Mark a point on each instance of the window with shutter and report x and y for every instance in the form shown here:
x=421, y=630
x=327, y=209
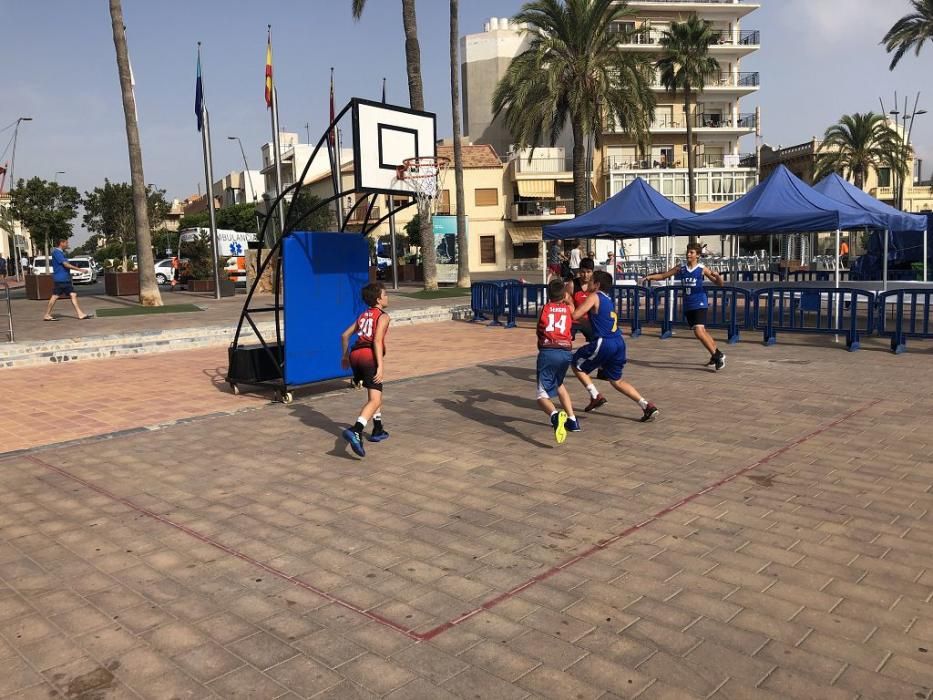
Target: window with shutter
x=486, y=197
x=487, y=249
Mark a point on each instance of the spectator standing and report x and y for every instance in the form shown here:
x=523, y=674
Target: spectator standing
x=61, y=278
x=576, y=255
x=553, y=258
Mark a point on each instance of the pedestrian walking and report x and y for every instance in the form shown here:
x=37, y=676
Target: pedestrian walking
x=61, y=278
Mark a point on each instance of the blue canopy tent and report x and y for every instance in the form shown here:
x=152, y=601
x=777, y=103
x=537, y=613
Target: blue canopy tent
x=782, y=203
x=897, y=221
x=635, y=211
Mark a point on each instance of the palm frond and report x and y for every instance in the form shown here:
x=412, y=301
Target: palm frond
x=910, y=31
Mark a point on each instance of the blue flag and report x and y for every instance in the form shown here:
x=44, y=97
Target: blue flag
x=199, y=96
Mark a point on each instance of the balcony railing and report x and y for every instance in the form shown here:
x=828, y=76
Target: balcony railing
x=743, y=79
x=544, y=165
x=542, y=208
x=715, y=120
x=703, y=160
x=721, y=37
x=693, y=2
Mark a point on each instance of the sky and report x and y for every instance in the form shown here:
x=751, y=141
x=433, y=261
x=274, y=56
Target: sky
x=819, y=59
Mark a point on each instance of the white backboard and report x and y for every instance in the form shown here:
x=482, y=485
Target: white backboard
x=383, y=136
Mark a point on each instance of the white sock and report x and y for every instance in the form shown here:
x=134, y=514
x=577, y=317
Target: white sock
x=378, y=416
x=643, y=404
x=571, y=417
x=592, y=389
x=362, y=421
x=553, y=413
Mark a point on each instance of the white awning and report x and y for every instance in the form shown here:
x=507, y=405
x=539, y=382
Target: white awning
x=536, y=188
x=521, y=235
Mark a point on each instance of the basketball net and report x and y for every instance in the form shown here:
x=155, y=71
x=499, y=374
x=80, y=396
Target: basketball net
x=425, y=178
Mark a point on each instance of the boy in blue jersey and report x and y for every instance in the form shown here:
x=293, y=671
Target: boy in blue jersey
x=691, y=276
x=607, y=351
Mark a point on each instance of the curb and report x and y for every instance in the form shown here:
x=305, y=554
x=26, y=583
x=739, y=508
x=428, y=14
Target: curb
x=40, y=352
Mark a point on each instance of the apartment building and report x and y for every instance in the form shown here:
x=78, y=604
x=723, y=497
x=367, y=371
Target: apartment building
x=718, y=118
x=801, y=160
x=538, y=186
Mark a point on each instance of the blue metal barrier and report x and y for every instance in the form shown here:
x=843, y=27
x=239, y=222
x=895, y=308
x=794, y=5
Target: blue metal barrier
x=627, y=301
x=724, y=309
x=912, y=316
x=525, y=301
x=751, y=276
x=825, y=310
x=487, y=298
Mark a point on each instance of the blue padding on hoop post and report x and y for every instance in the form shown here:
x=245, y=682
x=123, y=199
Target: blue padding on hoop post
x=323, y=275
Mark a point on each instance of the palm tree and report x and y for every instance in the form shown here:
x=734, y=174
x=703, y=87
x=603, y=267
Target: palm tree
x=416, y=100
x=148, y=287
x=574, y=70
x=910, y=31
x=858, y=143
x=686, y=66
x=463, y=243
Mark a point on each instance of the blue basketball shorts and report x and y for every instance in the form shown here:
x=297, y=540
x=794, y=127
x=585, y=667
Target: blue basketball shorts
x=607, y=354
x=552, y=367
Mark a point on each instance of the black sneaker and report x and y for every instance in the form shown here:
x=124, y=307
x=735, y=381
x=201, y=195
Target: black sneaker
x=720, y=361
x=649, y=413
x=712, y=361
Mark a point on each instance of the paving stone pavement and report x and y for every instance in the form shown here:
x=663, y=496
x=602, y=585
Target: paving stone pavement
x=768, y=537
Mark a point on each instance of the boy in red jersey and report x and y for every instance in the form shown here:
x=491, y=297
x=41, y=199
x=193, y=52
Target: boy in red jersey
x=366, y=357
x=554, y=356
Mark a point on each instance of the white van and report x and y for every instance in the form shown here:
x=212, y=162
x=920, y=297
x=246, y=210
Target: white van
x=41, y=266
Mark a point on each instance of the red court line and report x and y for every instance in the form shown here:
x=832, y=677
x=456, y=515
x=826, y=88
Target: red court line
x=492, y=602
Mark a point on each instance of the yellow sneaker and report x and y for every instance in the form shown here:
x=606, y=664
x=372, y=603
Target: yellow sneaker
x=560, y=430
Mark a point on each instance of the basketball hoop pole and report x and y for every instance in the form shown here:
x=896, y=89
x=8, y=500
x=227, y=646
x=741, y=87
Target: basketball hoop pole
x=392, y=244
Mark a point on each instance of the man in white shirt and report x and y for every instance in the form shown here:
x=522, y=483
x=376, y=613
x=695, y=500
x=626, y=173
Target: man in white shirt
x=576, y=255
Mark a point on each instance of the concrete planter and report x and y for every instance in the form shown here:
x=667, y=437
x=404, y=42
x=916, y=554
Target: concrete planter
x=121, y=284
x=227, y=288
x=39, y=287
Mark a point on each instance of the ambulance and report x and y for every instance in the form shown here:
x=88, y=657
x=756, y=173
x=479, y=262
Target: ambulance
x=229, y=242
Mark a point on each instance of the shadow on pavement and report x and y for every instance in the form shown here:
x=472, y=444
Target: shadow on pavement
x=523, y=374
x=315, y=419
x=467, y=408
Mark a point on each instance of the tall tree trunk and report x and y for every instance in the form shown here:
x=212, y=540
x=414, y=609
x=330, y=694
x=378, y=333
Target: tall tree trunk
x=416, y=99
x=148, y=287
x=691, y=156
x=579, y=167
x=463, y=243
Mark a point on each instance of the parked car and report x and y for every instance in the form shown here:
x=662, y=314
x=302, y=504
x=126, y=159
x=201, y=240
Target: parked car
x=163, y=271
x=88, y=272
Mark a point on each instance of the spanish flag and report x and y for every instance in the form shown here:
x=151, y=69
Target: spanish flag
x=269, y=70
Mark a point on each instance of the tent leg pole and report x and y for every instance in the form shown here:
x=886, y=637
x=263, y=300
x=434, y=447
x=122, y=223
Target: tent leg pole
x=838, y=302
x=884, y=267
x=925, y=253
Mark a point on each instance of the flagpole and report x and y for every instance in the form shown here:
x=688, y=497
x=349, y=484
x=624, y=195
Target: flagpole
x=335, y=161
x=209, y=176
x=273, y=104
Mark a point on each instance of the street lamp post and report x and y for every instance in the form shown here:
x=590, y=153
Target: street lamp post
x=16, y=246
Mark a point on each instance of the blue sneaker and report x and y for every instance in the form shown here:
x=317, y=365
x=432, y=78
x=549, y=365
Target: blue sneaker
x=351, y=436
x=379, y=437
x=560, y=432
x=573, y=425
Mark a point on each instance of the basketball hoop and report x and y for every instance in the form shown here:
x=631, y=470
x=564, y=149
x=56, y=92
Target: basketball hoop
x=425, y=178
